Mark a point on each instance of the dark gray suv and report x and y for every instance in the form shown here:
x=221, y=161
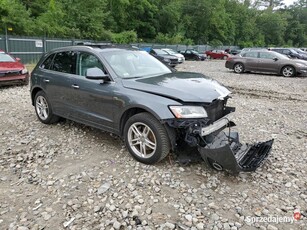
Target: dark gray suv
x=154, y=109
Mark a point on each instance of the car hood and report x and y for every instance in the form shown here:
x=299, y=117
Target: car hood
x=9, y=66
x=181, y=86
x=167, y=56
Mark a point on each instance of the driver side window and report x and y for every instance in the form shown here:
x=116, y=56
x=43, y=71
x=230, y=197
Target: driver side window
x=87, y=61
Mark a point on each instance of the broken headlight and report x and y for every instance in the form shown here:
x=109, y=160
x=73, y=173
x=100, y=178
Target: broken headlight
x=188, y=111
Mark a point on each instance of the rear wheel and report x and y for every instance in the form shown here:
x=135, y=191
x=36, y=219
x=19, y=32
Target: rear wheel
x=238, y=68
x=288, y=71
x=146, y=138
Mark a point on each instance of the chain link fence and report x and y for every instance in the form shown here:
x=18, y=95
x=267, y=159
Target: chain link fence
x=30, y=49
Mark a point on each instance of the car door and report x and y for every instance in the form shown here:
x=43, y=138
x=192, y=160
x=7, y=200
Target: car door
x=92, y=99
x=56, y=73
x=189, y=55
x=251, y=60
x=267, y=62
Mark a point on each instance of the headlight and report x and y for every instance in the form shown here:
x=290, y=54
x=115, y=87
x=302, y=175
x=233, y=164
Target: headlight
x=301, y=65
x=24, y=71
x=188, y=111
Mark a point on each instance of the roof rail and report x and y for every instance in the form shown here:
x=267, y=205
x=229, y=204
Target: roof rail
x=106, y=45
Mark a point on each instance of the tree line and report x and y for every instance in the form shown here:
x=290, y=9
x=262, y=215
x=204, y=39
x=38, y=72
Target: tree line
x=243, y=23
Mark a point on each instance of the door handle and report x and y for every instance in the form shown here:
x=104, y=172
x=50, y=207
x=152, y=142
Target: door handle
x=46, y=80
x=75, y=86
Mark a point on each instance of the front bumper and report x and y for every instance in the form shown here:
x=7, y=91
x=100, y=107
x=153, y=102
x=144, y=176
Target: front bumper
x=15, y=79
x=225, y=152
x=222, y=150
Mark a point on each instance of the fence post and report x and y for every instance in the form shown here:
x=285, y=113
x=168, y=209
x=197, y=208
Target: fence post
x=44, y=45
x=6, y=40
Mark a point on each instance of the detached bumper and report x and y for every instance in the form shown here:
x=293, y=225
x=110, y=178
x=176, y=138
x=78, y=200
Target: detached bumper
x=225, y=152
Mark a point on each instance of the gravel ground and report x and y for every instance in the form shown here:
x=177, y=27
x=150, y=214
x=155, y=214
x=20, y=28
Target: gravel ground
x=69, y=176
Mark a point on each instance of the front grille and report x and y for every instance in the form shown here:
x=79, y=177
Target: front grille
x=9, y=73
x=174, y=61
x=216, y=109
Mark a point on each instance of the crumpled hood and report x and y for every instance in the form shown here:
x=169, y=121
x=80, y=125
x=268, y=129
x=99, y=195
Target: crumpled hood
x=10, y=66
x=182, y=86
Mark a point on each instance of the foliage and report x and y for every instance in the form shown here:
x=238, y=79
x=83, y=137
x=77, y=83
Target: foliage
x=215, y=22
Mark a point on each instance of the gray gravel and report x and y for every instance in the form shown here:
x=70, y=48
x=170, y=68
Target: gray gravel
x=69, y=176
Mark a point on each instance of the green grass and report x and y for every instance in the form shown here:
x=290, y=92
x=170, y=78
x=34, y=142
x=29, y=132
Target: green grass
x=30, y=67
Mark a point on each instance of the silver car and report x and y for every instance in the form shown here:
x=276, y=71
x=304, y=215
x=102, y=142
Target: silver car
x=267, y=62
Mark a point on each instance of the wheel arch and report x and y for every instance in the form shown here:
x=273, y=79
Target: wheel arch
x=34, y=92
x=281, y=68
x=131, y=112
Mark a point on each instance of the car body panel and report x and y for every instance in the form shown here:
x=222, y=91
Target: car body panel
x=183, y=86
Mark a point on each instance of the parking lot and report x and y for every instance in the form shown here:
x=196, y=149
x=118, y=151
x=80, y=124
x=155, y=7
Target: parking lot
x=69, y=176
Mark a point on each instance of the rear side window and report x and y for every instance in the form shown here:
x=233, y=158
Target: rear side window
x=65, y=62
x=47, y=63
x=266, y=55
x=251, y=54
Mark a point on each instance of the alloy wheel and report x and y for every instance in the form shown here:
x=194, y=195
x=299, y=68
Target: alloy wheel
x=42, y=108
x=142, y=140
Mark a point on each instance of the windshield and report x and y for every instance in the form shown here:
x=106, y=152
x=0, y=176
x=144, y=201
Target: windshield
x=6, y=58
x=160, y=52
x=170, y=51
x=134, y=63
x=280, y=56
x=194, y=52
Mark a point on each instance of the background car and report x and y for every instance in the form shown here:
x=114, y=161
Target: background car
x=12, y=71
x=217, y=54
x=289, y=52
x=166, y=58
x=191, y=54
x=180, y=57
x=233, y=51
x=266, y=61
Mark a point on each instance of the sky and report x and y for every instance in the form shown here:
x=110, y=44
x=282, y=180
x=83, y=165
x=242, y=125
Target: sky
x=288, y=2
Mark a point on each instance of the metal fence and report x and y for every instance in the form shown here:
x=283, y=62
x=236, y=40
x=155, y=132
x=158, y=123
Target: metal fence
x=30, y=49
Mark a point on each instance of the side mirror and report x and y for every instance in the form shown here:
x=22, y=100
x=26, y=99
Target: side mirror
x=18, y=59
x=275, y=59
x=96, y=74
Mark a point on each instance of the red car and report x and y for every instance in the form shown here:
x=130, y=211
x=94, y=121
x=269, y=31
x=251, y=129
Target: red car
x=217, y=54
x=12, y=71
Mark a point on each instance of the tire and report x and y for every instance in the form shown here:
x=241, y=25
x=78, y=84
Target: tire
x=288, y=71
x=43, y=109
x=213, y=164
x=238, y=68
x=146, y=138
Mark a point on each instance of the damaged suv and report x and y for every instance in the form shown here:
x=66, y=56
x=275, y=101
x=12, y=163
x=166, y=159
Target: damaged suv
x=155, y=109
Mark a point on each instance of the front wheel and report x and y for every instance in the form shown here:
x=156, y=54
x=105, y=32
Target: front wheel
x=146, y=138
x=288, y=71
x=43, y=109
x=238, y=68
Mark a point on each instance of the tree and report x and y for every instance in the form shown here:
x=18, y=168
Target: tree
x=10, y=17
